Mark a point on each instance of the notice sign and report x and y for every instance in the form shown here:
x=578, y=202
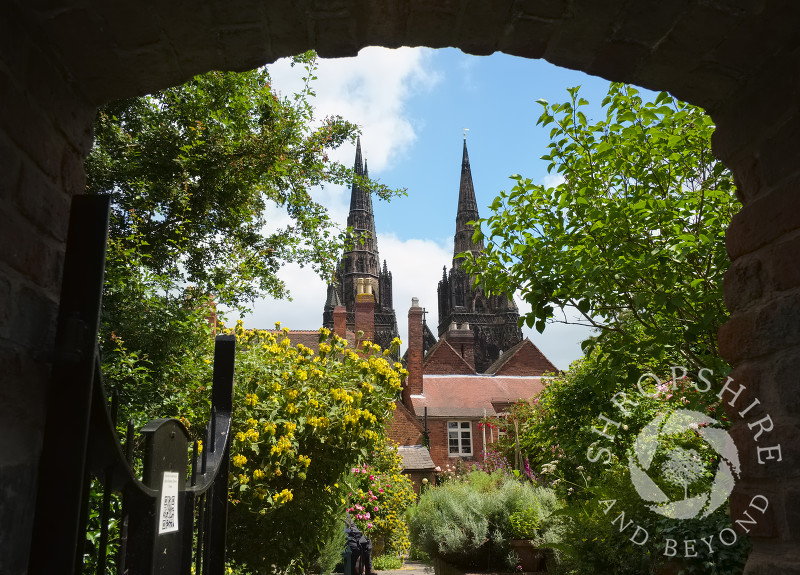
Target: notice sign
x=168, y=517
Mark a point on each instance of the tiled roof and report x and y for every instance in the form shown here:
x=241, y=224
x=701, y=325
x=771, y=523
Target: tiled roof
x=472, y=395
x=309, y=337
x=415, y=457
x=525, y=351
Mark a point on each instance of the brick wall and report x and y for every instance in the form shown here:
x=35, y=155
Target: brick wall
x=528, y=360
x=437, y=430
x=365, y=318
x=463, y=342
x=405, y=429
x=416, y=478
x=413, y=384
x=443, y=360
x=340, y=321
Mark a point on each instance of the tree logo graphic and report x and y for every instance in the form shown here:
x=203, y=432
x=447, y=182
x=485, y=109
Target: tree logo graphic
x=682, y=466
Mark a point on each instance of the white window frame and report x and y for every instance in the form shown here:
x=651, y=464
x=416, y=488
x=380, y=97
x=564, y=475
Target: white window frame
x=462, y=428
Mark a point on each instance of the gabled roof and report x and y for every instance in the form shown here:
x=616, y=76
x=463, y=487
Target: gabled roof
x=472, y=396
x=443, y=359
x=522, y=359
x=415, y=458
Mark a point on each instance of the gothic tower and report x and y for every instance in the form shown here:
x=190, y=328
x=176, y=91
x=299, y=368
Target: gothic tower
x=361, y=260
x=493, y=320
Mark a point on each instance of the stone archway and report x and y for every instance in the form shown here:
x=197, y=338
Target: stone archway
x=738, y=59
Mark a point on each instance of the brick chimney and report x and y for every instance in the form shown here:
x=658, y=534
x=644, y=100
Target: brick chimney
x=413, y=384
x=340, y=321
x=365, y=311
x=461, y=338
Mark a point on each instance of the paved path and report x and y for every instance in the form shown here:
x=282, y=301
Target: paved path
x=410, y=568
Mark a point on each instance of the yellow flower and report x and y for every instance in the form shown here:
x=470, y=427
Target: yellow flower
x=283, y=497
x=251, y=399
x=239, y=460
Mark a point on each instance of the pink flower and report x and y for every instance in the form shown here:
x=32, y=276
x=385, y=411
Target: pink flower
x=372, y=478
x=380, y=490
x=375, y=508
x=366, y=515
x=369, y=525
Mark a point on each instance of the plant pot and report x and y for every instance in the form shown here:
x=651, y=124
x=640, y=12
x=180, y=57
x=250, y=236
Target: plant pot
x=442, y=567
x=531, y=558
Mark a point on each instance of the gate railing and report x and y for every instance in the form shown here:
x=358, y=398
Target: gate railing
x=173, y=520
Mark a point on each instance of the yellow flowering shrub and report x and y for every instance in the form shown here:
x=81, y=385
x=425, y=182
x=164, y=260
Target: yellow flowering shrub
x=302, y=421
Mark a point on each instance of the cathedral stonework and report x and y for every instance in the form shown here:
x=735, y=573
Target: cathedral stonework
x=362, y=262
x=492, y=319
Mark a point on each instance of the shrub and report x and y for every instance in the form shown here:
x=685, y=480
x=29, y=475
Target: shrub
x=525, y=523
x=378, y=497
x=302, y=422
x=467, y=523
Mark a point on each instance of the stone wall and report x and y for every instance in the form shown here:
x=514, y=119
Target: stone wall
x=45, y=131
x=757, y=138
x=738, y=59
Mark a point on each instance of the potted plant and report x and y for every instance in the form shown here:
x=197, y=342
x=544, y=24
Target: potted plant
x=524, y=525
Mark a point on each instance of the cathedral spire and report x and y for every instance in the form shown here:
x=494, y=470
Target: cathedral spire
x=364, y=254
x=360, y=266
x=467, y=211
x=359, y=199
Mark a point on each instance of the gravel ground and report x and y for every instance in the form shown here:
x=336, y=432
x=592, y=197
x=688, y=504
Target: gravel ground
x=410, y=568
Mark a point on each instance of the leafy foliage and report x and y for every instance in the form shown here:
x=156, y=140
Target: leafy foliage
x=559, y=435
x=157, y=342
x=198, y=168
x=467, y=522
x=633, y=238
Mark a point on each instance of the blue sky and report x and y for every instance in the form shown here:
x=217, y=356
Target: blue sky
x=412, y=106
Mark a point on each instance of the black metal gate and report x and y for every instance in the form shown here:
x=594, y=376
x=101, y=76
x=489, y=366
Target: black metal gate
x=172, y=521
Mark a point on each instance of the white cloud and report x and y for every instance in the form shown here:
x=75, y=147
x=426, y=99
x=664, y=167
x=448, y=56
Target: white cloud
x=553, y=180
x=372, y=92
x=305, y=309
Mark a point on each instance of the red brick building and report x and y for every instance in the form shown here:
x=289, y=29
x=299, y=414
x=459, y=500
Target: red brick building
x=448, y=397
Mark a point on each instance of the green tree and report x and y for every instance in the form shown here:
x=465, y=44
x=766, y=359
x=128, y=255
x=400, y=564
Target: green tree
x=196, y=170
x=199, y=175
x=633, y=238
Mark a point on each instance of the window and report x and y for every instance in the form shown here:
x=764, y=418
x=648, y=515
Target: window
x=459, y=438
